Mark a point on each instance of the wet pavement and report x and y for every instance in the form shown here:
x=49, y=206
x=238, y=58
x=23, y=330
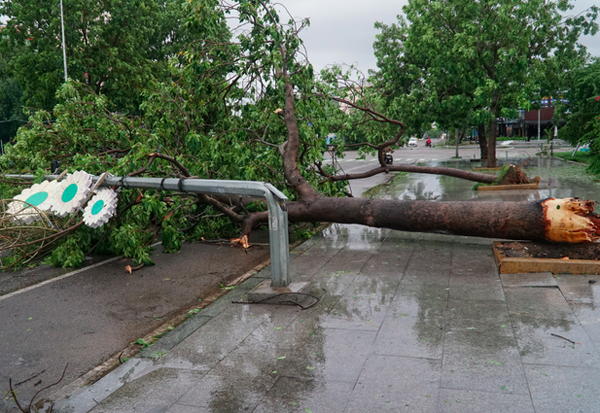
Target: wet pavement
x=406, y=322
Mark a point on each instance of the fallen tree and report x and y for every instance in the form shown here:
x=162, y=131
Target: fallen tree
x=205, y=125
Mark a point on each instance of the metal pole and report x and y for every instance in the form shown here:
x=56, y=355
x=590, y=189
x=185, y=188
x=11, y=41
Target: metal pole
x=552, y=141
x=62, y=24
x=278, y=216
x=539, y=122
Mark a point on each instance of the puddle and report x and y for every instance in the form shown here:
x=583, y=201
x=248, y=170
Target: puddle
x=559, y=179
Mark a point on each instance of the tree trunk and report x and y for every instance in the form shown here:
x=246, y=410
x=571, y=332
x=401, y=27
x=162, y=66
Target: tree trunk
x=435, y=170
x=564, y=220
x=483, y=145
x=492, y=133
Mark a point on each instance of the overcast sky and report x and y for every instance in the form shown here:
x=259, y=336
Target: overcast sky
x=341, y=31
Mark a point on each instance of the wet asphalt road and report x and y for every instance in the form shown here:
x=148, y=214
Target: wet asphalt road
x=94, y=314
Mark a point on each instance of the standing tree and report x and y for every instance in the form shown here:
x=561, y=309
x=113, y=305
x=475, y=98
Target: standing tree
x=116, y=47
x=580, y=108
x=473, y=62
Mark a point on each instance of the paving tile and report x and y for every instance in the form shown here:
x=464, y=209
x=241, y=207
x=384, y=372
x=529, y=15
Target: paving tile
x=331, y=355
x=429, y=262
x=473, y=288
x=411, y=335
x=374, y=285
x=577, y=288
x=538, y=302
x=538, y=279
x=334, y=283
x=414, y=323
x=292, y=394
x=539, y=344
x=393, y=384
x=178, y=408
x=285, y=330
x=482, y=357
x=468, y=401
x=389, y=259
x=564, y=389
x=226, y=392
x=154, y=392
x=588, y=315
x=461, y=313
x=204, y=348
x=361, y=312
x=311, y=260
x=472, y=260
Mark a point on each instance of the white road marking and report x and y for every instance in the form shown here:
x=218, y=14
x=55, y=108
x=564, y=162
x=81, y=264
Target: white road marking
x=67, y=275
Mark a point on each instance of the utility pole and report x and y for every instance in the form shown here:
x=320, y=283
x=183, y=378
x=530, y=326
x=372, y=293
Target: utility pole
x=62, y=25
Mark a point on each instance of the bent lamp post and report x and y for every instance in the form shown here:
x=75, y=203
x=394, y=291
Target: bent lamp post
x=278, y=217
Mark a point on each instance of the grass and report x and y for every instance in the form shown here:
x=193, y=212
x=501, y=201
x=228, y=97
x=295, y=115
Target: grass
x=376, y=190
x=582, y=157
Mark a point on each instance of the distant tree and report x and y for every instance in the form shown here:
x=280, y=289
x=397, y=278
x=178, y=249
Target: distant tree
x=116, y=47
x=461, y=62
x=580, y=108
x=11, y=114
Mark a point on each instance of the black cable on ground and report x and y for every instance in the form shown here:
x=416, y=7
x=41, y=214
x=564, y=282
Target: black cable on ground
x=265, y=300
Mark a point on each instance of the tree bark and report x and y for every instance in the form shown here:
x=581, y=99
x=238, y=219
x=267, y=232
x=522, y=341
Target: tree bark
x=492, y=134
x=435, y=170
x=573, y=221
x=483, y=145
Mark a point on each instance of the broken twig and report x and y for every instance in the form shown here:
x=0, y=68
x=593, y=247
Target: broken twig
x=564, y=338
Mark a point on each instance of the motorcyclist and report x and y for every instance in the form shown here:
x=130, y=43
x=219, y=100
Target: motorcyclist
x=428, y=143
x=387, y=155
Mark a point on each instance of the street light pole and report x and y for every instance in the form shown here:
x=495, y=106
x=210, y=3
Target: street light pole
x=539, y=117
x=62, y=25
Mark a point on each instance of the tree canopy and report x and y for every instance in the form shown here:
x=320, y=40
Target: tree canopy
x=462, y=62
x=579, y=107
x=116, y=47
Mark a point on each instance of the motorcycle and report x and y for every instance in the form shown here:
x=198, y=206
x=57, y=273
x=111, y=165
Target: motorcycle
x=388, y=159
x=428, y=143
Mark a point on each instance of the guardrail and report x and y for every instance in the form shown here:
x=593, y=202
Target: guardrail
x=278, y=217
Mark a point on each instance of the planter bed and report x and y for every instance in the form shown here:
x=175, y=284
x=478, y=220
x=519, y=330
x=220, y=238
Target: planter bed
x=514, y=257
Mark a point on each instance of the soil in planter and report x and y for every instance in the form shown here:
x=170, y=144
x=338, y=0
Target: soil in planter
x=543, y=250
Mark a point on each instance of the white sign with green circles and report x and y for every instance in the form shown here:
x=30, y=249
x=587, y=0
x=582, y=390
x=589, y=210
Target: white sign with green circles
x=38, y=196
x=101, y=208
x=71, y=193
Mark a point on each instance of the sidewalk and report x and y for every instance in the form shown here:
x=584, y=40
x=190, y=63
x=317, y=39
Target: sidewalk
x=406, y=323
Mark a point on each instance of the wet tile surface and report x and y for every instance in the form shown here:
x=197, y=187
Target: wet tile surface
x=405, y=323
x=153, y=393
x=292, y=394
x=393, y=384
x=564, y=389
x=468, y=401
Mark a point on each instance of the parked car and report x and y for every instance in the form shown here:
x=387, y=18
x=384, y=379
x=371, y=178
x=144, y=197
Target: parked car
x=412, y=142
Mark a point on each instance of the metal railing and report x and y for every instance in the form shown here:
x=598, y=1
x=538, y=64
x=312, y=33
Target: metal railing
x=278, y=217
